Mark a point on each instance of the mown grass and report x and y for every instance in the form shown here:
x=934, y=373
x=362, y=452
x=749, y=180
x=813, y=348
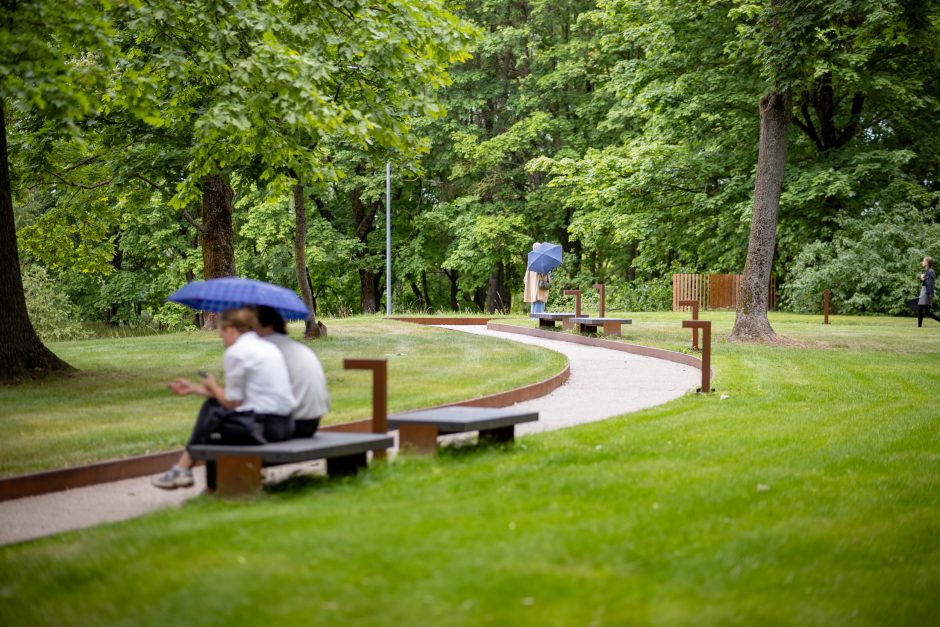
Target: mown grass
x=118, y=403
x=809, y=496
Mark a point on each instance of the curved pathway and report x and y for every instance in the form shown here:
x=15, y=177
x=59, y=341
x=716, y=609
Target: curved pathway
x=602, y=384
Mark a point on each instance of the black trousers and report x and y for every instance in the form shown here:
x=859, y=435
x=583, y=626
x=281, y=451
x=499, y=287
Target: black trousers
x=923, y=311
x=217, y=425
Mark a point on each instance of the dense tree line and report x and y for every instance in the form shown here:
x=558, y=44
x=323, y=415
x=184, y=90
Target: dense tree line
x=159, y=142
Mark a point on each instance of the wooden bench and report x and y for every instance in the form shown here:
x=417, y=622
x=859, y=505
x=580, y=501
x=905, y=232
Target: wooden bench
x=611, y=326
x=232, y=470
x=548, y=319
x=418, y=430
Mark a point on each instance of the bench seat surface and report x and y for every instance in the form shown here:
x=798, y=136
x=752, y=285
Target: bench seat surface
x=323, y=445
x=460, y=419
x=599, y=321
x=552, y=315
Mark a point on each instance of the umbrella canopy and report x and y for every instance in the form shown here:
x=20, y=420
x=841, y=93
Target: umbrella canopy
x=226, y=293
x=545, y=258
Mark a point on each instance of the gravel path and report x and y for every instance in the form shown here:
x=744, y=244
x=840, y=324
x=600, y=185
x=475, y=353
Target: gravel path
x=603, y=383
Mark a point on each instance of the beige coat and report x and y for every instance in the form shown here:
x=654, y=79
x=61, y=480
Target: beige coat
x=532, y=291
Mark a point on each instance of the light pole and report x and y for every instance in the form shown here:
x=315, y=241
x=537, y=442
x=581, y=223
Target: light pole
x=388, y=238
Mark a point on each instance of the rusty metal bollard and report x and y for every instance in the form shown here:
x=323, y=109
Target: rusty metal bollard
x=826, y=306
x=694, y=305
x=706, y=327
x=577, y=301
x=379, y=368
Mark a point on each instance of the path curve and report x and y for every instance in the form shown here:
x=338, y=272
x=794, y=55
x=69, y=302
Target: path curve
x=603, y=383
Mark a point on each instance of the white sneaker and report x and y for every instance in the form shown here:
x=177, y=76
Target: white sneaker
x=173, y=478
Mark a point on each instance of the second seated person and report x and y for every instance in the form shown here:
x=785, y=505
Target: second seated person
x=308, y=381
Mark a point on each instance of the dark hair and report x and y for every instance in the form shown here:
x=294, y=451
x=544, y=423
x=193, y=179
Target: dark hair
x=929, y=261
x=269, y=317
x=243, y=319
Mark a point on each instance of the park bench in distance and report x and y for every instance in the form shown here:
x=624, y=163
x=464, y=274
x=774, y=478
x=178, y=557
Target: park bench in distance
x=418, y=430
x=611, y=326
x=237, y=469
x=548, y=319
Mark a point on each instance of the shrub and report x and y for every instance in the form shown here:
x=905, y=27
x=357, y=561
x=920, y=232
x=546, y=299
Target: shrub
x=53, y=315
x=872, y=265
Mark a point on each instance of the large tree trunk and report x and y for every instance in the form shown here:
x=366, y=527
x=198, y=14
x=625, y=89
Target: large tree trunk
x=22, y=353
x=750, y=322
x=312, y=329
x=452, y=276
x=368, y=303
x=217, y=237
x=497, y=294
x=364, y=216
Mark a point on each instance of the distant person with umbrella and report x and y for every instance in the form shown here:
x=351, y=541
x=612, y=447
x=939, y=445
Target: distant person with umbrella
x=543, y=259
x=536, y=288
x=255, y=405
x=308, y=381
x=925, y=300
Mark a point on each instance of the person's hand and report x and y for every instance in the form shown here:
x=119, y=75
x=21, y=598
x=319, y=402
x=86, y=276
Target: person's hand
x=182, y=387
x=922, y=275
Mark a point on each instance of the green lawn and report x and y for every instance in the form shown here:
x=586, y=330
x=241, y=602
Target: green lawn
x=809, y=496
x=118, y=403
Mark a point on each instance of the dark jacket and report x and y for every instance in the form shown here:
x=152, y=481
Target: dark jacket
x=930, y=278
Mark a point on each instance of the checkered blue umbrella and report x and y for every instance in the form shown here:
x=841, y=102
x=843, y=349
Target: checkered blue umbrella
x=545, y=258
x=226, y=293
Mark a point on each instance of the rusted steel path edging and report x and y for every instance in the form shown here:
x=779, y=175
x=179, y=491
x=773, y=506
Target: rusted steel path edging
x=442, y=321
x=44, y=482
x=624, y=347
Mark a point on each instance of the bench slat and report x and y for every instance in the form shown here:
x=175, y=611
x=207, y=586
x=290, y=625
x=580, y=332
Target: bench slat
x=460, y=419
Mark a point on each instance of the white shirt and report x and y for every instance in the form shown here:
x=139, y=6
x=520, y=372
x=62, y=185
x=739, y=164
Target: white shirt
x=256, y=375
x=308, y=381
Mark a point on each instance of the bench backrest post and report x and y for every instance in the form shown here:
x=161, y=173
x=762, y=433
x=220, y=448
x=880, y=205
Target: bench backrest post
x=706, y=327
x=577, y=301
x=602, y=297
x=694, y=305
x=379, y=368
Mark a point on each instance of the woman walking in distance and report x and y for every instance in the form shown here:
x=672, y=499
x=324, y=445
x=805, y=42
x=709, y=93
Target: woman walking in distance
x=925, y=300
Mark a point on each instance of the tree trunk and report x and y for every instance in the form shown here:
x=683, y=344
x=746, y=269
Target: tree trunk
x=750, y=322
x=311, y=329
x=497, y=294
x=452, y=276
x=364, y=216
x=369, y=304
x=217, y=237
x=22, y=353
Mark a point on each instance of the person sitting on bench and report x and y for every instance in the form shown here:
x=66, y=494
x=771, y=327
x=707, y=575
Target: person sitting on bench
x=308, y=381
x=253, y=408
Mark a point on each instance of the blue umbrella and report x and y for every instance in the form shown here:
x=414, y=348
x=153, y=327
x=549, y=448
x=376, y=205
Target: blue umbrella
x=226, y=293
x=545, y=258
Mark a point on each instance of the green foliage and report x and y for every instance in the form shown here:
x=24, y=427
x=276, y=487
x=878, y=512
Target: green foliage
x=872, y=265
x=53, y=315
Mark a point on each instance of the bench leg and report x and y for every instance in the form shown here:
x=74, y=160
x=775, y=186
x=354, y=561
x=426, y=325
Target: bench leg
x=500, y=435
x=418, y=438
x=566, y=324
x=611, y=328
x=550, y=324
x=237, y=475
x=347, y=465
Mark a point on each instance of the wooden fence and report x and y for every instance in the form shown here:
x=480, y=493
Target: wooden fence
x=714, y=291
